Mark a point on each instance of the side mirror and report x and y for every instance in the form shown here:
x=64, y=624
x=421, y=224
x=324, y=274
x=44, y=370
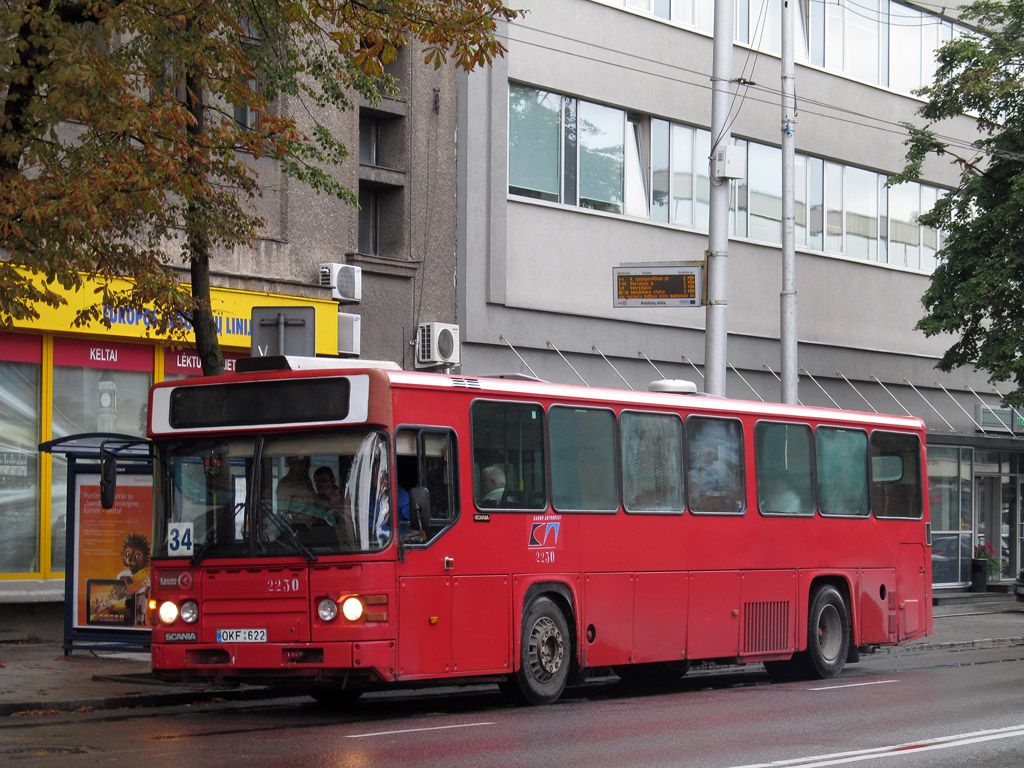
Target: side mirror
x=108, y=480
x=419, y=508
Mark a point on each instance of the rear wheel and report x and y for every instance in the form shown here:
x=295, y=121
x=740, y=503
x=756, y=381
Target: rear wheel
x=828, y=633
x=545, y=656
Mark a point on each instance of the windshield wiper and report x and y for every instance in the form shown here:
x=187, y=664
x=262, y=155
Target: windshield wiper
x=211, y=538
x=289, y=536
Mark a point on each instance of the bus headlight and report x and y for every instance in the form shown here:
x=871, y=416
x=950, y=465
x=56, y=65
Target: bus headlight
x=327, y=609
x=168, y=612
x=352, y=608
x=189, y=612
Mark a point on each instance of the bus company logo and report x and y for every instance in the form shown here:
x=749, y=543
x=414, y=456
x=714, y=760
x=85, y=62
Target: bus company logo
x=179, y=637
x=544, y=534
x=182, y=581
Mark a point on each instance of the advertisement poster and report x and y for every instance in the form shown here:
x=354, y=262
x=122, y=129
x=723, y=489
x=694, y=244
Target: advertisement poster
x=112, y=552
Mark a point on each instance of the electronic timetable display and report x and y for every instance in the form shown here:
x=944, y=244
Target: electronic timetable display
x=658, y=285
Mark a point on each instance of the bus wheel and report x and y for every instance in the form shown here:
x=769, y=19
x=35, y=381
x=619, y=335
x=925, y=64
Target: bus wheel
x=545, y=656
x=828, y=633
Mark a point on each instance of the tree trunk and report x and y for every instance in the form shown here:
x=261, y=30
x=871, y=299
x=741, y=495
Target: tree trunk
x=197, y=243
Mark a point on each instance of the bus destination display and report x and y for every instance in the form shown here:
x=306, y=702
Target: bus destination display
x=657, y=286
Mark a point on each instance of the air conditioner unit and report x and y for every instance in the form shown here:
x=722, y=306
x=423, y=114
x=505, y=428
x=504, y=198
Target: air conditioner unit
x=344, y=280
x=437, y=344
x=348, y=333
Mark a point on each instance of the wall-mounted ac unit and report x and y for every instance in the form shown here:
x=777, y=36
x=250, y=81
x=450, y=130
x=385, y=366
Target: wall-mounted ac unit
x=348, y=334
x=344, y=280
x=437, y=344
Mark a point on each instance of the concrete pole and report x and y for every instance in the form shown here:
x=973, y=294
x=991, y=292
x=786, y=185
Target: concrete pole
x=716, y=329
x=787, y=298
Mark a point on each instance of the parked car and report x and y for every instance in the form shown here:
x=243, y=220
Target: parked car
x=1018, y=587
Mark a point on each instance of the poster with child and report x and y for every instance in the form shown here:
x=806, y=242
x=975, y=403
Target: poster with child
x=112, y=553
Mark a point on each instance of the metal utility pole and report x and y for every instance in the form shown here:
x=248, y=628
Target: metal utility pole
x=787, y=297
x=716, y=330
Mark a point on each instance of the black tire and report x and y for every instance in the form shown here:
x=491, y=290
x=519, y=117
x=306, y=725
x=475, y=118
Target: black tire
x=828, y=633
x=545, y=656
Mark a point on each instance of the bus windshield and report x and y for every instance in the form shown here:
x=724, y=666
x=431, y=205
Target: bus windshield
x=307, y=495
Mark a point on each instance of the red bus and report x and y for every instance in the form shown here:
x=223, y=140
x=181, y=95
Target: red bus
x=351, y=528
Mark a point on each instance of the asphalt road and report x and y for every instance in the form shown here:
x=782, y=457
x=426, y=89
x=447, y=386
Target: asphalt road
x=934, y=708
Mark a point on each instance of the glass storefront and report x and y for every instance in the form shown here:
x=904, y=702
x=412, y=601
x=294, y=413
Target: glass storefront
x=977, y=499
x=20, y=364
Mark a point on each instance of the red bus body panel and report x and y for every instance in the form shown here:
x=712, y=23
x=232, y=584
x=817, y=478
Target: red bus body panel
x=637, y=588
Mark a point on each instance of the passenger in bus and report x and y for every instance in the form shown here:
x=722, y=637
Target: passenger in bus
x=335, y=511
x=297, y=496
x=494, y=483
x=295, y=486
x=326, y=486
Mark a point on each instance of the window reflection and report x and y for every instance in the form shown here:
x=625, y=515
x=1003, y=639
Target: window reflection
x=601, y=142
x=600, y=157
x=19, y=467
x=533, y=133
x=765, y=164
x=904, y=232
x=861, y=214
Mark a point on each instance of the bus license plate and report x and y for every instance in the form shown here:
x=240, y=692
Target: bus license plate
x=241, y=635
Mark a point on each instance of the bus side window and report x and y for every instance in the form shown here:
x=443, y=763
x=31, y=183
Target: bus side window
x=785, y=478
x=842, y=461
x=424, y=458
x=896, y=475
x=714, y=465
x=507, y=444
x=583, y=466
x=652, y=462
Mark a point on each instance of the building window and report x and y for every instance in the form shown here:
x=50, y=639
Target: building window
x=601, y=135
x=534, y=135
x=607, y=159
x=861, y=195
x=765, y=171
x=904, y=232
x=368, y=222
x=20, y=363
x=369, y=139
x=98, y=386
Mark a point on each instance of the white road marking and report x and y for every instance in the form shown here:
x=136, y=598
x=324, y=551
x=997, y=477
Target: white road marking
x=851, y=685
x=413, y=730
x=896, y=750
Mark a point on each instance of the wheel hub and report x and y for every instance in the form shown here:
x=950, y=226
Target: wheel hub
x=546, y=648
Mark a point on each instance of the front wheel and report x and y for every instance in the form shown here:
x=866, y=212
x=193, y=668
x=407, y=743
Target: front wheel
x=545, y=655
x=828, y=633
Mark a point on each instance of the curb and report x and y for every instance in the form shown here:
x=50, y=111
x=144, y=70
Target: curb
x=124, y=701
x=992, y=642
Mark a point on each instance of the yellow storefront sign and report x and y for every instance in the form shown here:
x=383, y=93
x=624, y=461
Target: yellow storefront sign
x=232, y=310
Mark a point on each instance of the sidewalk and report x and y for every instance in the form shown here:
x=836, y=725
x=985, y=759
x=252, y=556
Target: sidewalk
x=38, y=678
